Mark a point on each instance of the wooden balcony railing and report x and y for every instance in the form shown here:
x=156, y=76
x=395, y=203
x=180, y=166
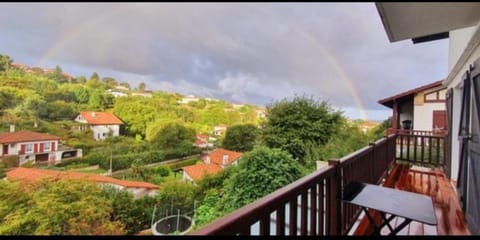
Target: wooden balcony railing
x=422, y=149
x=310, y=205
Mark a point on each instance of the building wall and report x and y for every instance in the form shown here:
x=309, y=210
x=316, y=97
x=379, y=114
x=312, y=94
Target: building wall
x=459, y=40
x=99, y=131
x=14, y=149
x=424, y=115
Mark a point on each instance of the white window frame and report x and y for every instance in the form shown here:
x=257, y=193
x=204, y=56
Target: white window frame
x=47, y=147
x=27, y=146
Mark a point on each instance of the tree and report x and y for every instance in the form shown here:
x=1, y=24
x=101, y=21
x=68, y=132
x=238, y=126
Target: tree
x=57, y=75
x=5, y=62
x=175, y=137
x=176, y=195
x=259, y=173
x=64, y=207
x=95, y=76
x=81, y=80
x=240, y=137
x=292, y=123
x=110, y=82
x=141, y=86
x=381, y=129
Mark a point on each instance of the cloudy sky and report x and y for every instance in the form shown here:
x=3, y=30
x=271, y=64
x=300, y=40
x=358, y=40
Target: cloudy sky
x=241, y=52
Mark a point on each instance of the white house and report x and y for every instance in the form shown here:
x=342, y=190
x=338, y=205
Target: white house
x=423, y=106
x=219, y=130
x=116, y=93
x=460, y=22
x=102, y=124
x=189, y=98
x=33, y=146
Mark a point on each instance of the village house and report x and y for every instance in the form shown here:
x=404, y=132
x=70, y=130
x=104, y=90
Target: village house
x=201, y=141
x=260, y=113
x=102, y=124
x=421, y=108
x=219, y=130
x=116, y=93
x=33, y=146
x=212, y=164
x=189, y=98
x=146, y=94
x=29, y=175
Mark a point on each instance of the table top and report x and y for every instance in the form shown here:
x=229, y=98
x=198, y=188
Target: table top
x=405, y=204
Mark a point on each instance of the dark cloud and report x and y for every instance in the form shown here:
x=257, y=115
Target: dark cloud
x=243, y=52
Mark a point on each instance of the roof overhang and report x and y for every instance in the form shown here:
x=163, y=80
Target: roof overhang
x=426, y=21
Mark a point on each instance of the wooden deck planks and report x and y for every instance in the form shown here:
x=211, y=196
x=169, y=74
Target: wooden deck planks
x=435, y=184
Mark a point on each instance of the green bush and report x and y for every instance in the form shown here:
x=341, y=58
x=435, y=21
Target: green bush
x=177, y=165
x=11, y=161
x=72, y=161
x=163, y=171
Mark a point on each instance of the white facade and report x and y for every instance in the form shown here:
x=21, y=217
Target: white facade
x=31, y=150
x=424, y=115
x=464, y=49
x=100, y=132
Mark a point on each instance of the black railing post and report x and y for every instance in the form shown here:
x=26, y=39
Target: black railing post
x=335, y=206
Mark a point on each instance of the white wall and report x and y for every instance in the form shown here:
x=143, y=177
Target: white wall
x=100, y=129
x=424, y=115
x=458, y=42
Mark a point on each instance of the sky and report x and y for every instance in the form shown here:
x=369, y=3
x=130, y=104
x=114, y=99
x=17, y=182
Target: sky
x=254, y=53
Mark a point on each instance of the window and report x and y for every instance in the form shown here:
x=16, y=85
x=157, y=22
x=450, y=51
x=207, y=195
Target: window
x=46, y=147
x=29, y=148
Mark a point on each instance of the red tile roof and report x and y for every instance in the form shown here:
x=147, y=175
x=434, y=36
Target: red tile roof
x=197, y=171
x=388, y=102
x=101, y=118
x=216, y=156
x=33, y=174
x=25, y=136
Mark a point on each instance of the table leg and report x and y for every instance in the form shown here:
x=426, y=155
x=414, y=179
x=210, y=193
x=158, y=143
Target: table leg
x=401, y=226
x=386, y=221
x=376, y=230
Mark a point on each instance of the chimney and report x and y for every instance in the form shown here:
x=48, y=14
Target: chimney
x=93, y=114
x=225, y=159
x=207, y=159
x=12, y=128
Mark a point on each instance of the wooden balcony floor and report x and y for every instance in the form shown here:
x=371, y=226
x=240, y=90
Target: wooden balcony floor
x=431, y=182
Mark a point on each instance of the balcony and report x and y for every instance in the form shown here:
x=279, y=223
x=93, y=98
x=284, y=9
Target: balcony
x=410, y=161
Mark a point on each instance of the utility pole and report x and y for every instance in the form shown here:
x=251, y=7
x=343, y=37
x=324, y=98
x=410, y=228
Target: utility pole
x=111, y=153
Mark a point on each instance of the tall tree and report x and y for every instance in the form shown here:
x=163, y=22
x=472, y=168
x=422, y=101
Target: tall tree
x=141, y=86
x=240, y=137
x=95, y=76
x=292, y=123
x=259, y=173
x=57, y=75
x=175, y=137
x=5, y=62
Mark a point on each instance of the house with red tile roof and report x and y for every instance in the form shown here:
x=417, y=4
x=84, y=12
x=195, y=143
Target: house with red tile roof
x=201, y=141
x=102, y=124
x=214, y=162
x=34, y=146
x=30, y=175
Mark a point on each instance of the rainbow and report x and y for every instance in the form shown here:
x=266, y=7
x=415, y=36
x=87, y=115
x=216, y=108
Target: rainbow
x=75, y=32
x=339, y=69
x=72, y=34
